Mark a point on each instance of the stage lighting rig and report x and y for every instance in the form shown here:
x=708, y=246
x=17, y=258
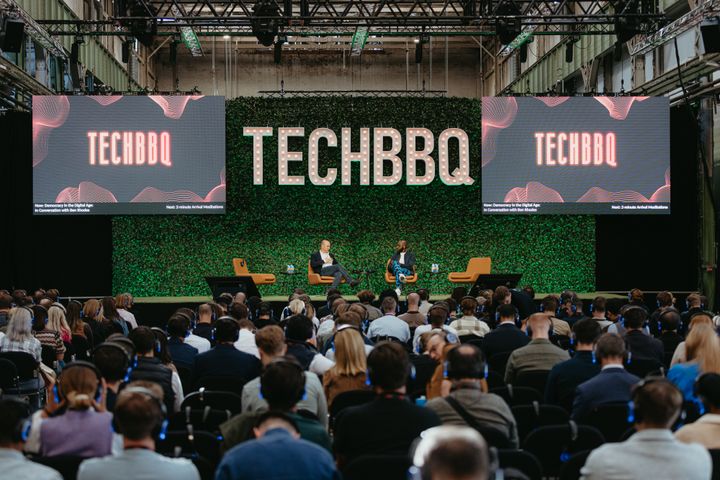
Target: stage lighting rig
x=265, y=21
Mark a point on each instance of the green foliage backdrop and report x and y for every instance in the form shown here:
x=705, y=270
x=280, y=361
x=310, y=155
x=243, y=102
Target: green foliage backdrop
x=272, y=226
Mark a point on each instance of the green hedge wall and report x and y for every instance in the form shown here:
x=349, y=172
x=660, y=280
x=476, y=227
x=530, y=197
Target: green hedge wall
x=272, y=225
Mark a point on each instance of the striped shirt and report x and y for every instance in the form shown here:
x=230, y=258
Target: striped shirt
x=470, y=326
x=31, y=346
x=52, y=339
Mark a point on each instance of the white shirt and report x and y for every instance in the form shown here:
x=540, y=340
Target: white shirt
x=202, y=344
x=330, y=354
x=16, y=467
x=402, y=258
x=320, y=364
x=424, y=307
x=325, y=257
x=177, y=390
x=391, y=326
x=426, y=328
x=246, y=342
x=128, y=317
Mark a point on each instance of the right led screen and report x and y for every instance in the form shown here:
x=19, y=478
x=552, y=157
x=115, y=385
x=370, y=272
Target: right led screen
x=583, y=155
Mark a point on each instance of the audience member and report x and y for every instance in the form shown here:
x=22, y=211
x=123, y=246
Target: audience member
x=451, y=453
x=109, y=311
x=613, y=307
x=278, y=453
x=48, y=338
x=598, y=311
x=652, y=452
x=640, y=344
x=524, y=303
x=203, y=327
x=389, y=424
x=5, y=306
x=246, y=338
x=140, y=419
x=366, y=298
x=182, y=354
x=282, y=385
x=465, y=368
x=224, y=359
x=570, y=307
x=350, y=369
x=549, y=306
x=437, y=316
x=425, y=304
x=612, y=384
x=413, y=317
x=706, y=429
x=149, y=367
x=469, y=324
x=271, y=345
x=389, y=326
x=57, y=323
x=100, y=326
x=636, y=298
x=539, y=354
x=114, y=361
x=507, y=336
x=77, y=326
x=239, y=298
x=437, y=348
x=300, y=338
x=202, y=344
x=19, y=335
x=698, y=318
x=264, y=315
x=667, y=323
x=13, y=434
x=351, y=318
x=566, y=376
x=124, y=303
x=695, y=304
x=239, y=311
x=703, y=356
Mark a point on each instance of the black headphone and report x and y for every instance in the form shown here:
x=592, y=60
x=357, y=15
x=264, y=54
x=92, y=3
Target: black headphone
x=161, y=424
x=441, y=307
x=665, y=311
x=130, y=362
x=285, y=361
x=633, y=415
x=21, y=430
x=57, y=388
x=480, y=373
x=517, y=314
x=158, y=344
x=340, y=328
x=264, y=309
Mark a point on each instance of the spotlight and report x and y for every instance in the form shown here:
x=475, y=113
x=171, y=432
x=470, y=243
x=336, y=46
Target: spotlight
x=417, y=40
x=569, y=47
x=264, y=21
x=508, y=28
x=226, y=37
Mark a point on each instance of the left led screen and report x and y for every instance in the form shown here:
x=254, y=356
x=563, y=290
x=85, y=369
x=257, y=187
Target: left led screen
x=127, y=155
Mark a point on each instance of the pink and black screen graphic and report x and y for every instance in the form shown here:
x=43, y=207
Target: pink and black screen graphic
x=584, y=155
x=125, y=155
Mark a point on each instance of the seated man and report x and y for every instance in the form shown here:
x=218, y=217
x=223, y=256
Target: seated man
x=465, y=368
x=652, y=452
x=138, y=417
x=271, y=345
x=182, y=354
x=301, y=344
x=669, y=323
x=539, y=354
x=366, y=297
x=565, y=377
x=413, y=317
x=278, y=452
x=149, y=367
x=204, y=327
x=389, y=325
x=324, y=263
x=452, y=453
x=706, y=429
x=549, y=306
x=402, y=264
x=599, y=311
x=437, y=316
x=224, y=359
x=507, y=336
x=468, y=324
x=612, y=384
x=12, y=440
x=637, y=340
x=282, y=385
x=389, y=424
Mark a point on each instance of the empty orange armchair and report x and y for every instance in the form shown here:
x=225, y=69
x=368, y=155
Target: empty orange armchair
x=317, y=279
x=390, y=278
x=476, y=266
x=241, y=270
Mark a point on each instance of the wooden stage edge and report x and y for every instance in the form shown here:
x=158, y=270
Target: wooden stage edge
x=320, y=298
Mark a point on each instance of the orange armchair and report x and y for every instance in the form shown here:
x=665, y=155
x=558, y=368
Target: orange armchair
x=317, y=279
x=390, y=278
x=476, y=266
x=241, y=270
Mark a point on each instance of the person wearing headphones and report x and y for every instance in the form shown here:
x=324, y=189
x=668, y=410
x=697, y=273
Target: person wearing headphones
x=19, y=335
x=389, y=325
x=437, y=316
x=652, y=452
x=706, y=429
x=14, y=425
x=413, y=317
x=182, y=354
x=350, y=368
x=507, y=336
x=151, y=368
x=468, y=324
x=467, y=403
x=638, y=341
x=539, y=354
x=140, y=417
x=124, y=303
x=115, y=361
x=450, y=453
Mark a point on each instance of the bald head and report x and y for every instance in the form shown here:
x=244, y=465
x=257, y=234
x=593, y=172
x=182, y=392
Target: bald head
x=413, y=301
x=540, y=324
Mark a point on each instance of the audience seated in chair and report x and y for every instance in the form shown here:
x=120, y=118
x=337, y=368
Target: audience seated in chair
x=549, y=306
x=302, y=344
x=203, y=327
x=539, y=354
x=182, y=354
x=350, y=369
x=12, y=441
x=612, y=384
x=114, y=360
x=702, y=348
x=19, y=336
x=246, y=337
x=652, y=452
x=468, y=324
x=151, y=368
x=507, y=336
x=413, y=317
x=706, y=429
x=389, y=424
x=565, y=377
x=278, y=452
x=637, y=340
x=451, y=453
x=437, y=316
x=200, y=343
x=389, y=325
x=465, y=369
x=668, y=323
x=139, y=418
x=48, y=338
x=598, y=310
x=271, y=344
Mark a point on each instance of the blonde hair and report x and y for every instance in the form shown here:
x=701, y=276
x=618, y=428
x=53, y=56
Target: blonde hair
x=703, y=346
x=123, y=300
x=296, y=306
x=19, y=328
x=350, y=358
x=93, y=310
x=700, y=319
x=78, y=386
x=57, y=321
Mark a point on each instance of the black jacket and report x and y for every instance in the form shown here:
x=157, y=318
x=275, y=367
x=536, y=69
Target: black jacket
x=226, y=360
x=644, y=346
x=505, y=338
x=152, y=369
x=566, y=376
x=316, y=261
x=409, y=262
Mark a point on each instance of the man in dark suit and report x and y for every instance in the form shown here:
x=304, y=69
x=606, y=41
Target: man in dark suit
x=565, y=377
x=224, y=359
x=507, y=336
x=402, y=264
x=640, y=344
x=324, y=263
x=182, y=354
x=612, y=385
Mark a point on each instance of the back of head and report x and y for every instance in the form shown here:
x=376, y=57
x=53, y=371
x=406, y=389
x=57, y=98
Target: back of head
x=610, y=345
x=264, y=309
x=358, y=309
x=657, y=402
x=297, y=307
x=270, y=340
x=598, y=304
x=282, y=383
x=613, y=305
x=205, y=310
x=529, y=291
x=458, y=293
x=389, y=304
x=468, y=305
x=40, y=317
x=501, y=295
x=178, y=326
x=635, y=318
x=144, y=340
x=540, y=324
x=664, y=299
x=78, y=385
x=636, y=296
x=413, y=299
x=388, y=293
x=586, y=331
x=349, y=318
x=703, y=346
x=424, y=294
x=366, y=296
x=109, y=308
x=5, y=301
x=91, y=309
x=451, y=452
x=14, y=413
x=226, y=330
x=350, y=358
x=19, y=327
x=549, y=304
x=507, y=312
x=437, y=315
x=332, y=292
x=465, y=362
x=694, y=300
x=112, y=361
x=299, y=329
x=388, y=366
x=669, y=319
x=137, y=413
x=238, y=311
x=707, y=389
